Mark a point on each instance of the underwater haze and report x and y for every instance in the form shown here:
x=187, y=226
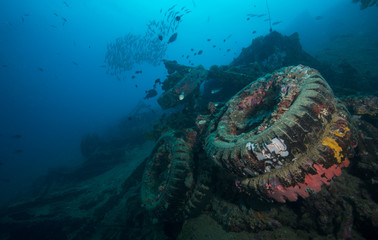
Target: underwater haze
x=56, y=84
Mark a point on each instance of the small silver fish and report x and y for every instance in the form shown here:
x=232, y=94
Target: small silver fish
x=182, y=96
x=216, y=91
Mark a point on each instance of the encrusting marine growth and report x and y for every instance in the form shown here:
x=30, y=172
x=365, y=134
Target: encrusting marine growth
x=283, y=135
x=171, y=188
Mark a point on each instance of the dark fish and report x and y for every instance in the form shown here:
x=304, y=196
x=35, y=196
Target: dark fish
x=228, y=50
x=65, y=3
x=5, y=180
x=22, y=19
x=17, y=151
x=102, y=66
x=75, y=63
x=40, y=69
x=192, y=49
x=200, y=52
x=4, y=65
x=319, y=18
x=130, y=118
x=214, y=46
x=160, y=37
x=26, y=14
x=56, y=15
x=208, y=39
x=248, y=19
x=150, y=94
x=157, y=81
x=17, y=136
x=169, y=9
x=195, y=54
x=224, y=40
x=138, y=72
x=178, y=18
x=187, y=57
x=64, y=21
x=132, y=76
x=136, y=85
x=278, y=22
x=172, y=38
x=254, y=32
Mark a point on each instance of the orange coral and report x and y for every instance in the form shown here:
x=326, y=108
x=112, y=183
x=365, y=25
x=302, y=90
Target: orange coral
x=334, y=146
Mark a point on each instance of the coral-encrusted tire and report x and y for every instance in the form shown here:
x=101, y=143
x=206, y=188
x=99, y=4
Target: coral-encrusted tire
x=172, y=188
x=283, y=135
x=167, y=177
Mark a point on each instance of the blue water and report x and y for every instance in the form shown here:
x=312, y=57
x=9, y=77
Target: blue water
x=54, y=89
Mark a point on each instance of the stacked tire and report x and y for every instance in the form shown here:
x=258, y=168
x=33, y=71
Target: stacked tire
x=172, y=186
x=283, y=135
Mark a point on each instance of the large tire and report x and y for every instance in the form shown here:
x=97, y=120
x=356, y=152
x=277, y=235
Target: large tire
x=173, y=188
x=199, y=195
x=283, y=135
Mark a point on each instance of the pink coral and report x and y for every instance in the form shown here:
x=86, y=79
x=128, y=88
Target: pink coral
x=311, y=183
